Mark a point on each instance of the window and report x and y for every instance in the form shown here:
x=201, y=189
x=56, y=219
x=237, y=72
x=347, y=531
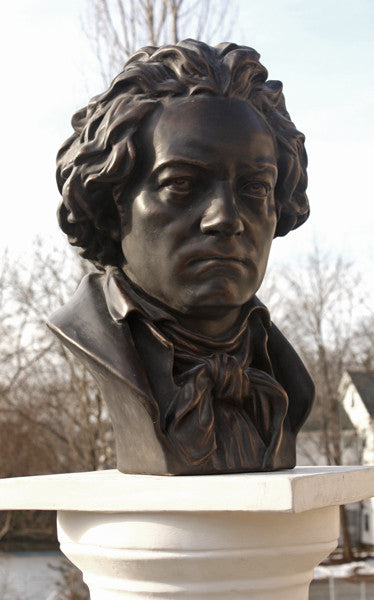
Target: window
x=366, y=522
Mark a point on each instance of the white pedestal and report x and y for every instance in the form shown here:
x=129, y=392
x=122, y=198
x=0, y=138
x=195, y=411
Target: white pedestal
x=252, y=536
x=219, y=555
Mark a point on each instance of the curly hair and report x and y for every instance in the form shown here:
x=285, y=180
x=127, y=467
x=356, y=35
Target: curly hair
x=97, y=164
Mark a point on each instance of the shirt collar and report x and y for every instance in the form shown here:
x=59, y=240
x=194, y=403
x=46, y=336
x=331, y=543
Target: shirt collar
x=123, y=298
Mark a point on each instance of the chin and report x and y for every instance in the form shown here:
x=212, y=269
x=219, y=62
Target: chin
x=216, y=300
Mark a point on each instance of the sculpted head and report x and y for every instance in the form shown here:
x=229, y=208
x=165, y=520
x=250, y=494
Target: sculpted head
x=181, y=174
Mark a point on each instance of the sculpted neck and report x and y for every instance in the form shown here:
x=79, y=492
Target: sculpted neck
x=210, y=325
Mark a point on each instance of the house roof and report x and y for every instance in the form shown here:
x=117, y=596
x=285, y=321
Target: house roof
x=364, y=384
x=313, y=422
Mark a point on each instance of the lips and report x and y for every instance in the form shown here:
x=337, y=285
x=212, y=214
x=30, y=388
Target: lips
x=219, y=259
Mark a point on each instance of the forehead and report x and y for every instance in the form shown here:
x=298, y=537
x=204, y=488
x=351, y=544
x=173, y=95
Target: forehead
x=217, y=130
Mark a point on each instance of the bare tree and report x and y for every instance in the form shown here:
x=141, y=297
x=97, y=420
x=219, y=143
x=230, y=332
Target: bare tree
x=363, y=343
x=321, y=305
x=52, y=416
x=117, y=28
x=42, y=384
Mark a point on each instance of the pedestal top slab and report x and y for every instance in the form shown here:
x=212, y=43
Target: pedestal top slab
x=303, y=488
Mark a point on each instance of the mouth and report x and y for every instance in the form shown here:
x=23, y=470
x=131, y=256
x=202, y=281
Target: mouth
x=220, y=260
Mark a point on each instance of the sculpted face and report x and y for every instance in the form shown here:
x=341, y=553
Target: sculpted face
x=198, y=229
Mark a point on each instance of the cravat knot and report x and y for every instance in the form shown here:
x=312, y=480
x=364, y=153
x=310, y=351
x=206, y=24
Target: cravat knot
x=229, y=382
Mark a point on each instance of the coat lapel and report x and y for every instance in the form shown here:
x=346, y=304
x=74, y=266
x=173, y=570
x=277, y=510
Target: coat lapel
x=86, y=325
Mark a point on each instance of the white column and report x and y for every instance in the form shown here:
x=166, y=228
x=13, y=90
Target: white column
x=255, y=536
x=196, y=555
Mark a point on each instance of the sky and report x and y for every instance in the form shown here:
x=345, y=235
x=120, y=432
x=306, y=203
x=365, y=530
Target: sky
x=322, y=50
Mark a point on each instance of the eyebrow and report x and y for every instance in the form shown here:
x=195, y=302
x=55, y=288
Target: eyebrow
x=260, y=166
x=264, y=167
x=182, y=162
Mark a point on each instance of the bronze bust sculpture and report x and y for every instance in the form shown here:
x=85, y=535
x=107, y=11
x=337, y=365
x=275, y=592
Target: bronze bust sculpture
x=174, y=184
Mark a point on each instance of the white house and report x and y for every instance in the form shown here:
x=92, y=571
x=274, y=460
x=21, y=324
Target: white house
x=356, y=417
x=357, y=393
x=310, y=440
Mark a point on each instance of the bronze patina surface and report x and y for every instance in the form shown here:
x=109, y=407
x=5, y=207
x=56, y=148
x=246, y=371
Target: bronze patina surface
x=174, y=184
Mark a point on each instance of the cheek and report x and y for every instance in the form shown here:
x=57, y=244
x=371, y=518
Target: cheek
x=150, y=215
x=159, y=224
x=271, y=227
x=261, y=223
x=270, y=220
x=267, y=240
x=139, y=224
x=147, y=234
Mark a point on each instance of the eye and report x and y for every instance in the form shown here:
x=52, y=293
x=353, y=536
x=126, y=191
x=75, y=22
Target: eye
x=179, y=184
x=255, y=189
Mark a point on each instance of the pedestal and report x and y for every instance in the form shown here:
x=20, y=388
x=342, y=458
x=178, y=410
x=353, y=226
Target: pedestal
x=219, y=555
x=252, y=536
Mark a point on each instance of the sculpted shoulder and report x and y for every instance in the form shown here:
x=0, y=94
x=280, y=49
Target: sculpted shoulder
x=79, y=318
x=86, y=327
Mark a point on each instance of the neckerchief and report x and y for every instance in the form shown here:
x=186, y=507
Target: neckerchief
x=227, y=409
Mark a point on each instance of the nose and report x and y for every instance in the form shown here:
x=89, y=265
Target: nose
x=222, y=216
